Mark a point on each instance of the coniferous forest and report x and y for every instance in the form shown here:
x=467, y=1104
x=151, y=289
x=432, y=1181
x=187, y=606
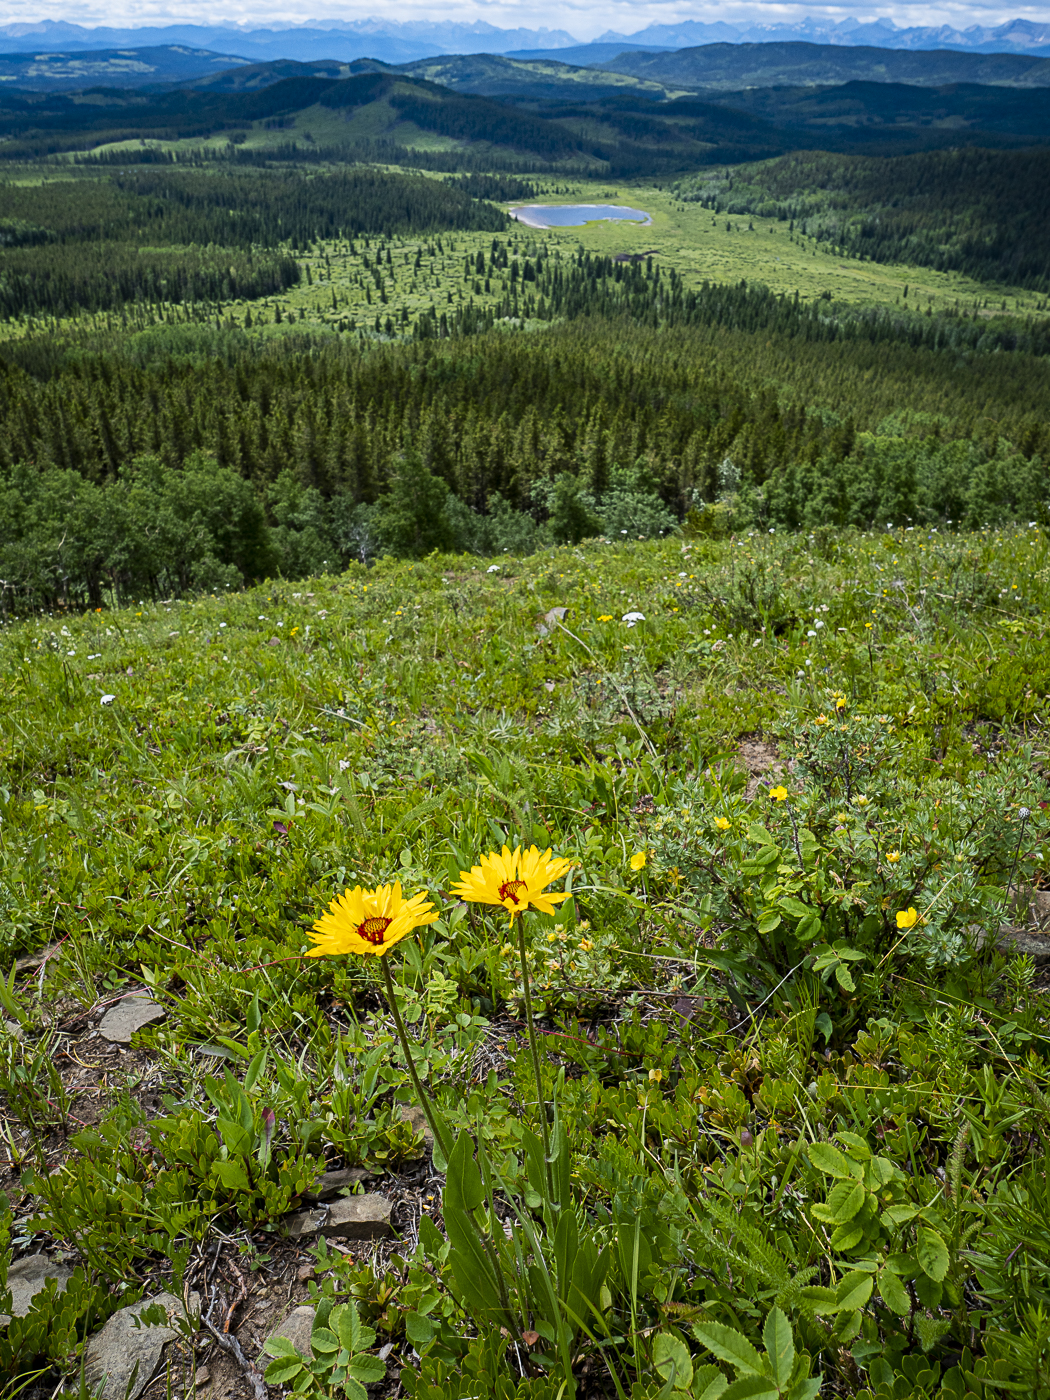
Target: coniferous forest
x=643, y=620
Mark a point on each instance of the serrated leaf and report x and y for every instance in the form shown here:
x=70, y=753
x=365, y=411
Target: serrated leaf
x=729, y=1345
x=280, y=1346
x=932, y=1254
x=853, y=1291
x=895, y=1216
x=805, y=1390
x=795, y=907
x=780, y=1346
x=672, y=1361
x=893, y=1293
x=828, y=1159
x=709, y=1383
x=367, y=1369
x=280, y=1372
x=847, y=1236
x=769, y=921
x=323, y=1339
x=843, y=978
x=820, y=1300
x=752, y=1388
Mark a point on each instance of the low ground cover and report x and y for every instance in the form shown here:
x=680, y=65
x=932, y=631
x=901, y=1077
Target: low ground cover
x=796, y=1089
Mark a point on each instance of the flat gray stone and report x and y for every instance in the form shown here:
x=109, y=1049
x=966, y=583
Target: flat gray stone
x=27, y=1277
x=121, y=1022
x=304, y=1222
x=296, y=1327
x=114, y=1353
x=330, y=1185
x=358, y=1218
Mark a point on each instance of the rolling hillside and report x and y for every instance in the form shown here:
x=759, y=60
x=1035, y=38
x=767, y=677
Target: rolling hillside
x=730, y=66
x=75, y=70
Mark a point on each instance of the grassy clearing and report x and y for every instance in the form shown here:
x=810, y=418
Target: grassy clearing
x=802, y=737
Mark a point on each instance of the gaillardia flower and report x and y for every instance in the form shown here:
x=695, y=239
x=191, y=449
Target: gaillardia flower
x=369, y=921
x=516, y=879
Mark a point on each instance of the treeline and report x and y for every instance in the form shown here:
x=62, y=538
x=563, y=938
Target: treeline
x=982, y=213
x=162, y=207
x=73, y=277
x=549, y=288
x=72, y=246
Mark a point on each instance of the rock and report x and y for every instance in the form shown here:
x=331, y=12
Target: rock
x=305, y=1273
x=417, y=1119
x=202, y=1377
x=121, y=1022
x=297, y=1327
x=1032, y=944
x=27, y=1277
x=13, y=1029
x=330, y=1185
x=304, y=1222
x=358, y=1218
x=122, y=1358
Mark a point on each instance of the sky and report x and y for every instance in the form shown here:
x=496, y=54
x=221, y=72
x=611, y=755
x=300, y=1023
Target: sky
x=583, y=18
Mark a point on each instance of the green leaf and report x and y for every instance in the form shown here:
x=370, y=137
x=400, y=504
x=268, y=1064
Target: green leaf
x=805, y=1389
x=820, y=1300
x=795, y=907
x=757, y=832
x=769, y=921
x=672, y=1361
x=708, y=1383
x=367, y=1369
x=847, y=1237
x=809, y=929
x=844, y=1200
x=932, y=1254
x=282, y=1371
x=853, y=1291
x=844, y=980
x=729, y=1345
x=893, y=1293
x=324, y=1339
x=463, y=1186
x=828, y=1159
x=419, y=1330
x=780, y=1346
x=752, y=1388
x=280, y=1346
x=898, y=1215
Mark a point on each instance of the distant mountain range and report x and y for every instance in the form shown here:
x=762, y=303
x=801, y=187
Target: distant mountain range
x=392, y=41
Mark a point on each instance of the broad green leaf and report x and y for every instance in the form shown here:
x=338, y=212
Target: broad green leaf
x=346, y=1323
x=758, y=833
x=729, y=1345
x=844, y=1200
x=853, y=1291
x=367, y=1369
x=809, y=929
x=324, y=1339
x=829, y=1160
x=280, y=1346
x=795, y=907
x=752, y=1388
x=708, y=1383
x=780, y=1346
x=463, y=1187
x=805, y=1389
x=843, y=978
x=769, y=921
x=672, y=1361
x=847, y=1237
x=932, y=1254
x=283, y=1370
x=419, y=1330
x=893, y=1293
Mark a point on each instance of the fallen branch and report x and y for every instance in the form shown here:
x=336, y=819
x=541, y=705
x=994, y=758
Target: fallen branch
x=232, y=1347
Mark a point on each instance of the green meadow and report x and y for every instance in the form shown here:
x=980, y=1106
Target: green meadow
x=792, y=1042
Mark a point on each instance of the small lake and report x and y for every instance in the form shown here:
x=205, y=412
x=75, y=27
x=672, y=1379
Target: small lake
x=572, y=215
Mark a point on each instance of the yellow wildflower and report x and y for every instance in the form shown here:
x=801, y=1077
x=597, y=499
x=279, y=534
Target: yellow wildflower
x=907, y=918
x=515, y=879
x=778, y=794
x=368, y=921
x=638, y=860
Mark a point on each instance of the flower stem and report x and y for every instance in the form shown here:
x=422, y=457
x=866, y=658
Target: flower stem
x=541, y=1101
x=424, y=1102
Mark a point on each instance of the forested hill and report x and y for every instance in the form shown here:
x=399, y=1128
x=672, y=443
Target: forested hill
x=982, y=213
x=733, y=66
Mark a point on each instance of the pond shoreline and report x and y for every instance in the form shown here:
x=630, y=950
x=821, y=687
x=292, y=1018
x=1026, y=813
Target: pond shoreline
x=614, y=213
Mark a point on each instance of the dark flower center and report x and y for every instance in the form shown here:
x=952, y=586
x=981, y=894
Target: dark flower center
x=509, y=889
x=374, y=928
